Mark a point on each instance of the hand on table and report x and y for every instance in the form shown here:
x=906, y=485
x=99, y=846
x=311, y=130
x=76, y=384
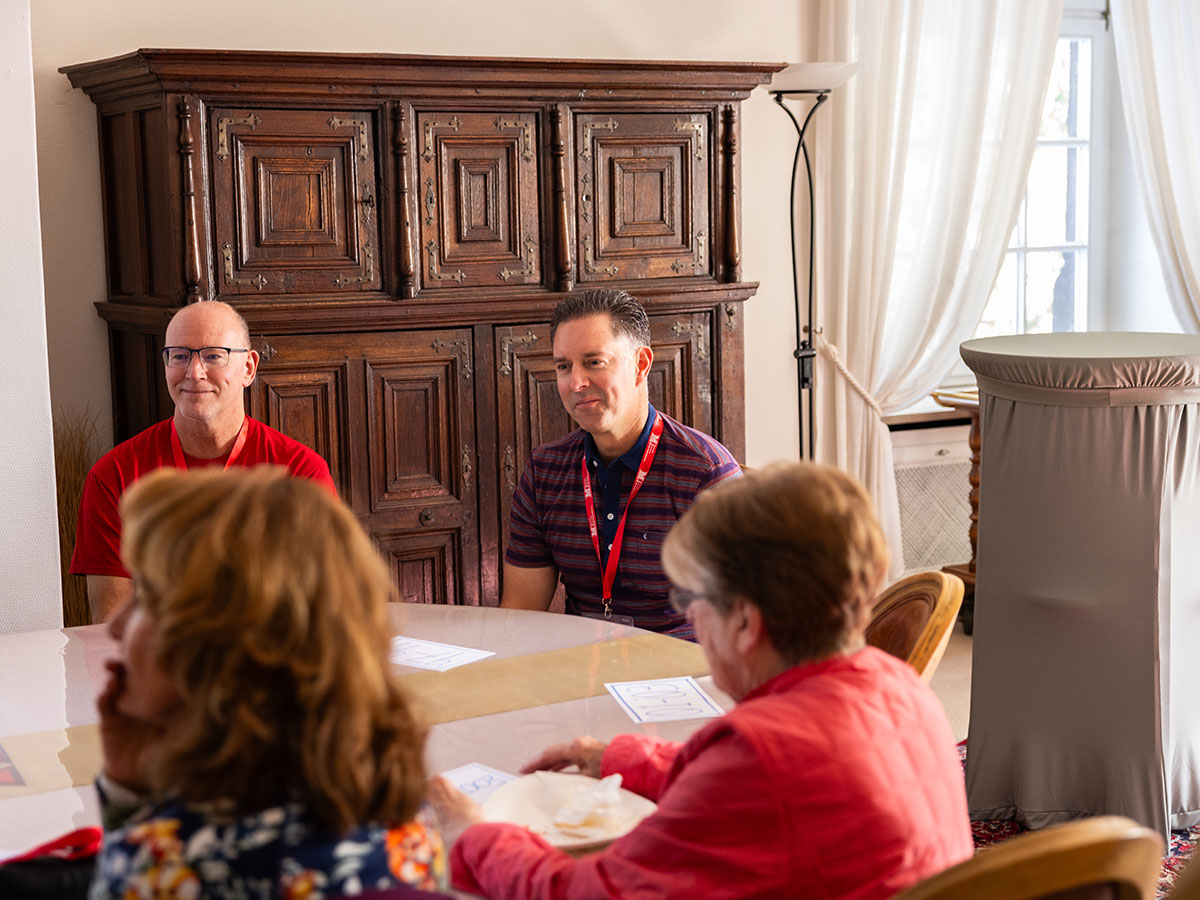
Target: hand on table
x=584, y=752
x=456, y=812
x=126, y=741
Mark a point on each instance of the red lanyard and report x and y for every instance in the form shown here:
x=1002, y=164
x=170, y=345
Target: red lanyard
x=234, y=453
x=608, y=573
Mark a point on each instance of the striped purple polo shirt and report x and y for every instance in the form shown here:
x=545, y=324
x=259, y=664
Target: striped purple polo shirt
x=548, y=524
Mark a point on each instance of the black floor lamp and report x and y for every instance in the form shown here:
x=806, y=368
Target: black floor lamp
x=806, y=81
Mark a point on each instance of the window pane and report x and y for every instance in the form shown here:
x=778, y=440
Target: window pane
x=1067, y=113
x=1056, y=201
x=1054, y=290
x=1000, y=316
x=1042, y=284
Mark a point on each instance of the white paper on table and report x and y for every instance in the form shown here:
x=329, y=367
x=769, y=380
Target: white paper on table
x=664, y=699
x=421, y=654
x=478, y=781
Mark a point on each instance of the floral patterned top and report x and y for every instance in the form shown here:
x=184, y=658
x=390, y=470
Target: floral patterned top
x=185, y=851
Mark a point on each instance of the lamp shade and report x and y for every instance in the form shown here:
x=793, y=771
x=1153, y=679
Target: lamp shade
x=811, y=77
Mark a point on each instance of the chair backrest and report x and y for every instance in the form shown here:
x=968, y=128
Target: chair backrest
x=1102, y=857
x=913, y=618
x=1187, y=882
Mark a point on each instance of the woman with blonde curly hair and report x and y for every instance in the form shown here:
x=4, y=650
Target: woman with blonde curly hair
x=256, y=741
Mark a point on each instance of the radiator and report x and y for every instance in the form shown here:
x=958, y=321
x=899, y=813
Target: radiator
x=932, y=467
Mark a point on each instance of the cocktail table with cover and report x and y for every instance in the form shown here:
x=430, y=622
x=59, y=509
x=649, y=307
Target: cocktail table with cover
x=1087, y=620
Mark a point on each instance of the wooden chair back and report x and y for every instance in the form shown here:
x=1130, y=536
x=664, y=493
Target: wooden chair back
x=913, y=618
x=1108, y=857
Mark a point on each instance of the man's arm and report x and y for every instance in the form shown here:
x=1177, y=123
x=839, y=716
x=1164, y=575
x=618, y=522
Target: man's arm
x=107, y=594
x=528, y=588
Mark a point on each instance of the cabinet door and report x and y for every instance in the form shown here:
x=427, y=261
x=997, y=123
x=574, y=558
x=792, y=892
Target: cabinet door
x=294, y=202
x=396, y=411
x=643, y=189
x=681, y=376
x=478, y=198
x=531, y=412
x=421, y=466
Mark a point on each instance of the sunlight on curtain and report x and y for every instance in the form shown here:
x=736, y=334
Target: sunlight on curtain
x=933, y=140
x=1160, y=89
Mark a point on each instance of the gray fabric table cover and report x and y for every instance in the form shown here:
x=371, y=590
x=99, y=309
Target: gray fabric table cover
x=1087, y=615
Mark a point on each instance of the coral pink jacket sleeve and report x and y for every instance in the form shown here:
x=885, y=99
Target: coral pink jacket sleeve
x=643, y=762
x=718, y=835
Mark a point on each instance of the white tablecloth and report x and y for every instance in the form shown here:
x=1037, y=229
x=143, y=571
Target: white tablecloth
x=49, y=681
x=1087, y=615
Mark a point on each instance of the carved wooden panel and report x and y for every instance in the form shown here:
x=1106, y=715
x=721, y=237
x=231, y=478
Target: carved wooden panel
x=478, y=198
x=531, y=411
x=414, y=430
x=530, y=408
x=294, y=205
x=302, y=391
x=142, y=262
x=643, y=195
x=681, y=376
x=424, y=566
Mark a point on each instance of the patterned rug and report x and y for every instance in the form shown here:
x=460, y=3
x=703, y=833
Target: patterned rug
x=1183, y=843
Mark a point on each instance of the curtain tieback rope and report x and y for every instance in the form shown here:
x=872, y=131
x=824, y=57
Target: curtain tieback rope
x=836, y=358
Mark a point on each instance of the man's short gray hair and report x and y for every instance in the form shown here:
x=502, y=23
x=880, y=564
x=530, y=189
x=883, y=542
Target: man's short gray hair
x=627, y=316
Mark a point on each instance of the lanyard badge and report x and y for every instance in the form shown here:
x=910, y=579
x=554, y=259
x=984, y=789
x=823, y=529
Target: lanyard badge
x=608, y=573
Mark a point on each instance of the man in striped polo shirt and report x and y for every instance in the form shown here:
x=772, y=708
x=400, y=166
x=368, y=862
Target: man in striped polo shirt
x=602, y=534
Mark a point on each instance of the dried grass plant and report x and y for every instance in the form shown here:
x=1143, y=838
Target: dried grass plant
x=76, y=449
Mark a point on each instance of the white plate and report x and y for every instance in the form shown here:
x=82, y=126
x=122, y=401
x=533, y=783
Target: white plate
x=533, y=800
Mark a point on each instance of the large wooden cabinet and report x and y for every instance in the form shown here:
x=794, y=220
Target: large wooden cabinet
x=397, y=230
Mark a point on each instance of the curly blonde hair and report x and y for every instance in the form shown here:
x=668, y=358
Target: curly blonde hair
x=798, y=540
x=270, y=608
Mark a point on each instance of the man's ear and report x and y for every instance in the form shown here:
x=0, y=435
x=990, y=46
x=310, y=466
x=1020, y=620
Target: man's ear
x=643, y=359
x=251, y=368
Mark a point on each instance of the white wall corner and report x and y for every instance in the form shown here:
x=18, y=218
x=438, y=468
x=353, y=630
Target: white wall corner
x=30, y=589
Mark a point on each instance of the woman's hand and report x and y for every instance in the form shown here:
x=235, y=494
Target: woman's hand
x=585, y=753
x=456, y=812
x=126, y=741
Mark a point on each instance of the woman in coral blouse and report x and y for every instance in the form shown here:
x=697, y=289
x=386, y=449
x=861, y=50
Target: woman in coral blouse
x=834, y=776
x=256, y=743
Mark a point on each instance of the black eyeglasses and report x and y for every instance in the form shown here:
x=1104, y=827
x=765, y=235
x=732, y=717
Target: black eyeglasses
x=681, y=598
x=210, y=357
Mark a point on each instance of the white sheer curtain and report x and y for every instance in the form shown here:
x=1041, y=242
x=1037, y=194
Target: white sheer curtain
x=1159, y=68
x=924, y=155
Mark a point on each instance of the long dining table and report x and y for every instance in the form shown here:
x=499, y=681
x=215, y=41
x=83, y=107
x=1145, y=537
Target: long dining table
x=544, y=683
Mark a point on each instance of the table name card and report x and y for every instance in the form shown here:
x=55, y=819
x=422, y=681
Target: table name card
x=477, y=781
x=421, y=654
x=664, y=700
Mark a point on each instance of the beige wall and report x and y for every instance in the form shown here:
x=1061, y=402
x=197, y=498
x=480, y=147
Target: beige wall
x=74, y=31
x=30, y=594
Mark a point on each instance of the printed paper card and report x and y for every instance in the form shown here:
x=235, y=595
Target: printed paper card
x=478, y=781
x=664, y=700
x=421, y=654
